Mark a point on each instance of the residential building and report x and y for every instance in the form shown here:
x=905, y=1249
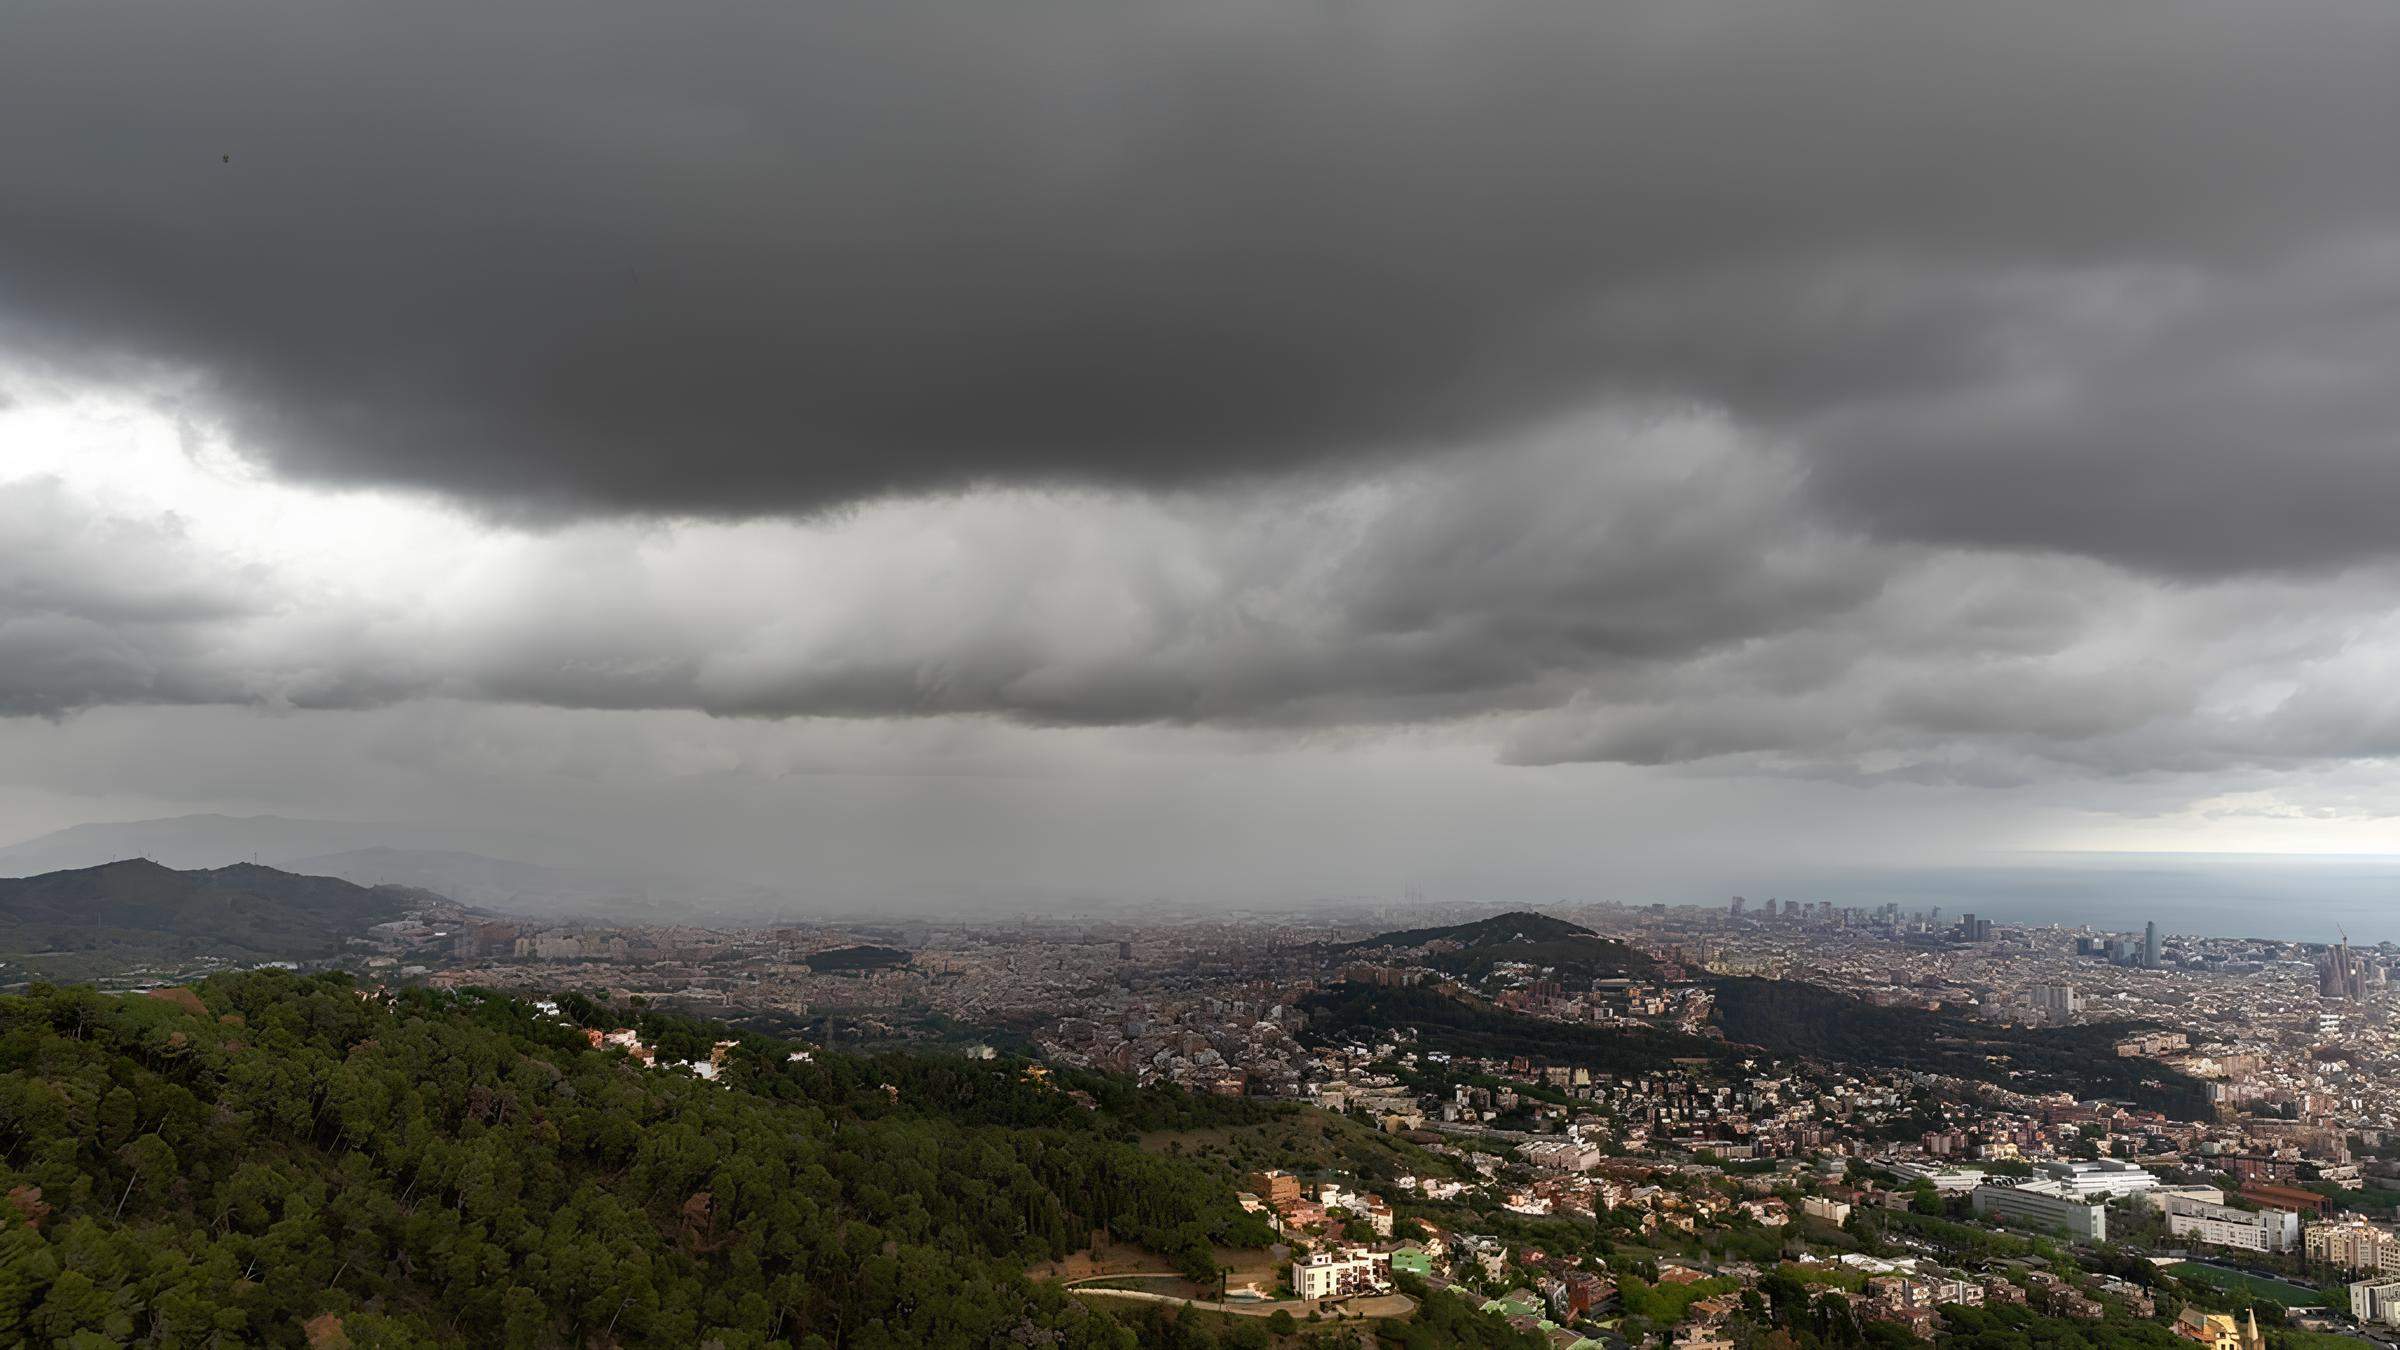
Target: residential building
x=2376, y=1301
x=1277, y=1188
x=2058, y=1298
x=2218, y=1331
x=1489, y=1254
x=2259, y=1230
x=1565, y=1155
x=2353, y=1244
x=1351, y=1271
x=2055, y=1002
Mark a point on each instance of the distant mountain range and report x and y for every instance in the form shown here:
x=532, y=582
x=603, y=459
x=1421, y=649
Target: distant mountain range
x=98, y=920
x=466, y=865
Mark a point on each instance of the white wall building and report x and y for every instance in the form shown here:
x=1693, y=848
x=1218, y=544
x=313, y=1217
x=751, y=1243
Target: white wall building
x=2158, y=1196
x=2264, y=1230
x=2376, y=1301
x=1947, y=1180
x=2057, y=1002
x=2353, y=1244
x=2101, y=1177
x=2044, y=1205
x=1355, y=1270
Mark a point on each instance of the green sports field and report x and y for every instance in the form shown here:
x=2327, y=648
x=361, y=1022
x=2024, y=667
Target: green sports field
x=2258, y=1286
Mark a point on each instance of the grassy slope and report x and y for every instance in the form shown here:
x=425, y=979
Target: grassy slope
x=1305, y=1140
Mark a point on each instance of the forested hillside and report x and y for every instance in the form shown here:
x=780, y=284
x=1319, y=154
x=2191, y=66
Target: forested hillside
x=1442, y=1022
x=856, y=958
x=1523, y=925
x=1791, y=1017
x=1470, y=950
x=285, y=1158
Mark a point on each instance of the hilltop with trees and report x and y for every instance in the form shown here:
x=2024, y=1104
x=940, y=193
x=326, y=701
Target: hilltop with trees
x=276, y=1159
x=95, y=919
x=1471, y=950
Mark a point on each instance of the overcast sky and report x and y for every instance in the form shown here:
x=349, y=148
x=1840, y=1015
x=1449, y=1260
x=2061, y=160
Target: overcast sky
x=1231, y=451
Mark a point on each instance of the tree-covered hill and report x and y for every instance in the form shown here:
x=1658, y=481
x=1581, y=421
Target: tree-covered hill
x=286, y=1158
x=137, y=909
x=1471, y=950
x=856, y=958
x=1461, y=1027
x=1792, y=1017
x=1523, y=925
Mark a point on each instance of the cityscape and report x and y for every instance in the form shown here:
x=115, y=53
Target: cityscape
x=1575, y=1123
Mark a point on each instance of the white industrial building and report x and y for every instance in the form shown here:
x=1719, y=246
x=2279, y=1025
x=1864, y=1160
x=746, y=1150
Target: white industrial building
x=2100, y=1177
x=2158, y=1196
x=1945, y=1179
x=2050, y=1206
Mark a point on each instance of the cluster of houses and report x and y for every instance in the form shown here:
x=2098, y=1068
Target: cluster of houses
x=1292, y=1209
x=630, y=1042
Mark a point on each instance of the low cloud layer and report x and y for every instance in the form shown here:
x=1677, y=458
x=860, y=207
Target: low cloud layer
x=1648, y=592
x=2116, y=281
x=1443, y=592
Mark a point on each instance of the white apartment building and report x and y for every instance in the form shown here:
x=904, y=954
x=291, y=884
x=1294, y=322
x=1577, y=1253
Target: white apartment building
x=2376, y=1301
x=1354, y=1270
x=2264, y=1230
x=1564, y=1155
x=2057, y=1002
x=2353, y=1244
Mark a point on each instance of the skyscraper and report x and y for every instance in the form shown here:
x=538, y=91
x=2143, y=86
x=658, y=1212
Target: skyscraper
x=2339, y=975
x=2150, y=945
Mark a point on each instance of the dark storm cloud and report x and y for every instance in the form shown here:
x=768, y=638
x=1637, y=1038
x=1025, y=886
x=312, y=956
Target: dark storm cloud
x=2185, y=421
x=739, y=260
